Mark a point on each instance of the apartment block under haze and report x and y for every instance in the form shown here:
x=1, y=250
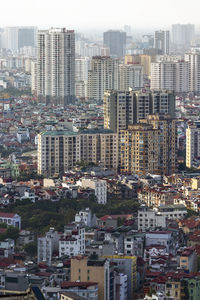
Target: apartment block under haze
x=193, y=59
x=115, y=40
x=104, y=75
x=162, y=41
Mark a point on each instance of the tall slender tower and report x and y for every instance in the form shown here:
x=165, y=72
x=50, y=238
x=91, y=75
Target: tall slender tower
x=162, y=41
x=56, y=66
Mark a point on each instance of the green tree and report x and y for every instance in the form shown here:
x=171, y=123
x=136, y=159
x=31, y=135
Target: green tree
x=12, y=233
x=31, y=248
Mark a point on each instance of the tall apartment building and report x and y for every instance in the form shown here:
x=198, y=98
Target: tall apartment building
x=149, y=146
x=116, y=41
x=47, y=245
x=82, y=66
x=126, y=265
x=192, y=143
x=183, y=34
x=104, y=75
x=193, y=59
x=123, y=108
x=141, y=59
x=99, y=271
x=33, y=77
x=139, y=149
x=10, y=38
x=162, y=41
x=59, y=151
x=27, y=37
x=167, y=141
x=118, y=109
x=130, y=76
x=173, y=76
x=56, y=65
x=15, y=38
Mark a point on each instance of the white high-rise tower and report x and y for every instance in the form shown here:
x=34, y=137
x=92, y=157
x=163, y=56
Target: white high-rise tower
x=56, y=65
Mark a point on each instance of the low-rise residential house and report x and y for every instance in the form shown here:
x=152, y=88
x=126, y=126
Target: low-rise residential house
x=47, y=245
x=25, y=237
x=149, y=219
x=30, y=194
x=86, y=217
x=162, y=238
x=7, y=247
x=99, y=186
x=173, y=211
x=11, y=219
x=188, y=259
x=72, y=243
x=134, y=244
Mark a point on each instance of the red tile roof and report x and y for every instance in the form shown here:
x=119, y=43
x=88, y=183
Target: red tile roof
x=7, y=215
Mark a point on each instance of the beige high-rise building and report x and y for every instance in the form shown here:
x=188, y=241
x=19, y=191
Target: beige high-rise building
x=104, y=75
x=99, y=271
x=167, y=141
x=56, y=65
x=140, y=59
x=59, y=151
x=132, y=59
x=123, y=108
x=192, y=143
x=139, y=149
x=149, y=146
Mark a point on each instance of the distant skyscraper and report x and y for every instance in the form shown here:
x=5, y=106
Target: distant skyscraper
x=11, y=38
x=183, y=34
x=26, y=37
x=56, y=65
x=116, y=41
x=82, y=66
x=14, y=38
x=104, y=75
x=162, y=41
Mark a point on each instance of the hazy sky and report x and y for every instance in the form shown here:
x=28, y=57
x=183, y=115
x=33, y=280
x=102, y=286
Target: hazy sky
x=84, y=14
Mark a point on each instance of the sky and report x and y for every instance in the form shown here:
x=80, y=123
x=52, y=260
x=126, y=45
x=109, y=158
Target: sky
x=103, y=14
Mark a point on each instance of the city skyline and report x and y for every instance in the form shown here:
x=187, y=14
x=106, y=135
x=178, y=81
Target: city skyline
x=48, y=14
